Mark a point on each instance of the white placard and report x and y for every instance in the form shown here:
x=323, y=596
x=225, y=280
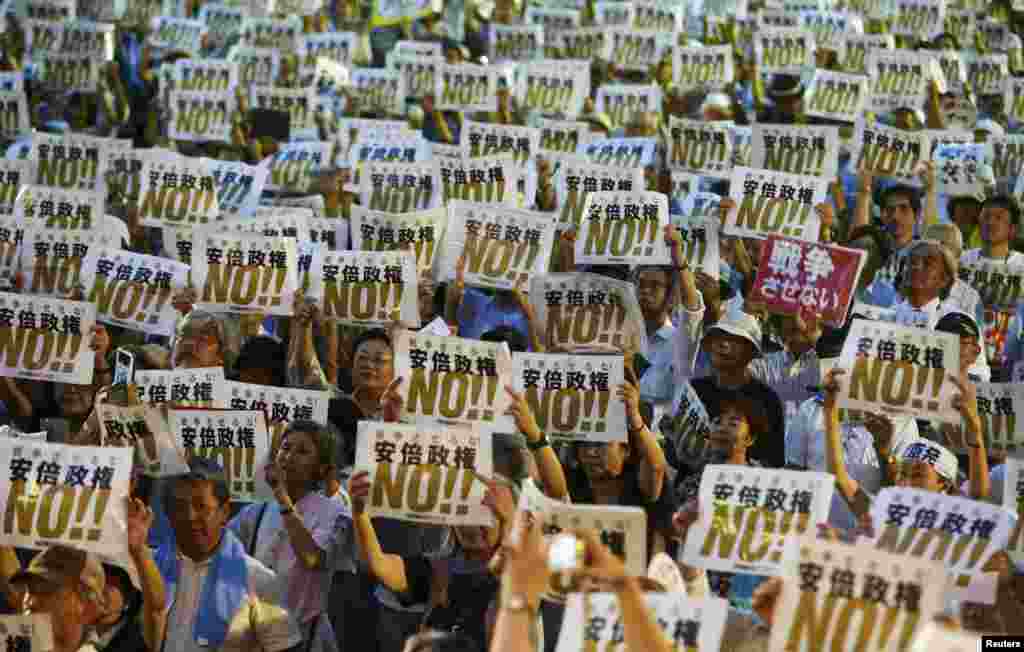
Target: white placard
x=418, y=73
x=466, y=87
x=504, y=247
x=27, y=632
x=919, y=18
x=516, y=42
x=201, y=116
x=238, y=186
x=379, y=90
x=577, y=177
x=702, y=68
x=281, y=404
x=245, y=274
x=622, y=102
x=46, y=339
x=837, y=96
x=486, y=139
x=700, y=239
x=827, y=580
x=87, y=484
x=784, y=49
x=901, y=79
x=852, y=51
x=238, y=440
x=295, y=166
x=283, y=34
x=753, y=514
x=453, y=380
x=699, y=147
x=899, y=370
x=807, y=150
x=71, y=161
x=428, y=474
x=371, y=288
x=957, y=167
x=208, y=75
x=573, y=397
x=631, y=48
x=14, y=118
x=401, y=187
x=588, y=313
x=145, y=429
x=177, y=34
x=183, y=387
x=492, y=179
x=256, y=66
x=987, y=73
x=298, y=103
x=51, y=260
x=775, y=203
x=53, y=208
x=422, y=230
x=623, y=228
x=889, y=152
x=176, y=191
x=563, y=137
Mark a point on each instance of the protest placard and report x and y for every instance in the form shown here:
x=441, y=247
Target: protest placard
x=572, y=396
x=71, y=161
x=889, y=152
x=553, y=20
x=752, y=515
x=794, y=276
x=593, y=621
x=957, y=167
x=622, y=529
x=223, y=23
x=280, y=404
x=622, y=152
x=561, y=136
x=14, y=117
x=11, y=237
x=1007, y=157
x=183, y=387
x=144, y=428
x=466, y=87
x=632, y=49
x=284, y=34
x=583, y=313
x=46, y=339
x=700, y=241
x=42, y=36
x=295, y=166
x=775, y=203
x=1013, y=98
x=703, y=68
x=686, y=425
x=913, y=318
x=209, y=75
x=336, y=46
x=998, y=284
x=88, y=39
x=453, y=380
x=401, y=457
x=623, y=228
x=401, y=187
x=484, y=179
x=133, y=290
x=987, y=73
x=610, y=14
x=576, y=178
x=391, y=13
x=298, y=103
x=769, y=18
x=13, y=175
x=235, y=439
x=659, y=16
x=366, y=129
x=380, y=231
x=256, y=66
x=393, y=147
x=808, y=150
x=177, y=34
x=378, y=90
x=579, y=44
x=269, y=221
x=516, y=42
x=44, y=10
x=54, y=208
x=784, y=49
x=844, y=596
x=959, y=533
x=51, y=260
x=238, y=186
x=245, y=274
x=954, y=69
x=176, y=190
x=486, y=139
x=503, y=247
x=899, y=370
x=900, y=79
x=935, y=637
x=1013, y=503
x=371, y=288
x=418, y=73
x=623, y=102
x=852, y=50
x=837, y=96
x=553, y=88
x=919, y=17
x=960, y=23
x=698, y=146
x=57, y=494
x=830, y=25
x=201, y=116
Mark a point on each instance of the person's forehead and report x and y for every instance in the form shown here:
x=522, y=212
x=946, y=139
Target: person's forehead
x=651, y=275
x=193, y=488
x=897, y=199
x=373, y=347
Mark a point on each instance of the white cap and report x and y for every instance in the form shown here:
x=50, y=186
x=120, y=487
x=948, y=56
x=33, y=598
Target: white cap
x=938, y=456
x=990, y=126
x=740, y=324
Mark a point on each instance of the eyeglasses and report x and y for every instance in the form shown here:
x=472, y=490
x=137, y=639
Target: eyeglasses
x=374, y=362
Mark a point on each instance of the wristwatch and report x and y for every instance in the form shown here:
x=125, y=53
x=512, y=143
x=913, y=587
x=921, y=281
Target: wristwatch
x=539, y=444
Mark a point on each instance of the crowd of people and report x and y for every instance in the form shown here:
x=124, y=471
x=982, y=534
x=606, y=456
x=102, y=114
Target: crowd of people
x=309, y=569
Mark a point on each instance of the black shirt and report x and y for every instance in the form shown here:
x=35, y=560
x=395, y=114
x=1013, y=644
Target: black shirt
x=769, y=447
x=471, y=590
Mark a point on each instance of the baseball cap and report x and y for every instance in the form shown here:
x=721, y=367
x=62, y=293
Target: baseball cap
x=740, y=324
x=938, y=456
x=58, y=565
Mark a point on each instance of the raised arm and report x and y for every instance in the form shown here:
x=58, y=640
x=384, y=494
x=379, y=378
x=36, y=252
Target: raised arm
x=834, y=457
x=387, y=569
x=967, y=403
x=653, y=465
x=552, y=476
x=154, y=592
